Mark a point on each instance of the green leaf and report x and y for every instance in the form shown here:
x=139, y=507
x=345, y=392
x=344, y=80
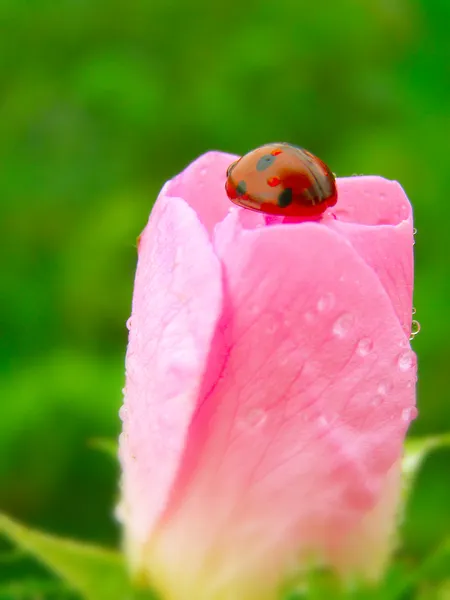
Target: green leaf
x=96, y=573
x=416, y=450
x=443, y=593
x=105, y=445
x=434, y=569
x=10, y=556
x=437, y=566
x=30, y=589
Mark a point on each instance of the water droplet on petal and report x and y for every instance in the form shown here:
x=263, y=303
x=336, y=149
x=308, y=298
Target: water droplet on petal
x=123, y=412
x=405, y=361
x=326, y=302
x=383, y=388
x=364, y=346
x=409, y=414
x=322, y=421
x=343, y=325
x=414, y=231
x=414, y=310
x=377, y=400
x=129, y=324
x=404, y=211
x=203, y=172
x=119, y=513
x=256, y=417
x=415, y=328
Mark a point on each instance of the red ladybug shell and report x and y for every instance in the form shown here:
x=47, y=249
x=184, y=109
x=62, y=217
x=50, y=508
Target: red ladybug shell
x=281, y=179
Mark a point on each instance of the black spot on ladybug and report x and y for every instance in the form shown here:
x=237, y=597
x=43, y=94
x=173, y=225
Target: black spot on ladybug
x=264, y=162
x=241, y=188
x=285, y=198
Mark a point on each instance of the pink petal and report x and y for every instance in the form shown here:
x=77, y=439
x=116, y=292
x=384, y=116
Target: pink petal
x=202, y=186
x=376, y=531
x=384, y=239
x=293, y=445
x=371, y=200
x=176, y=304
x=375, y=216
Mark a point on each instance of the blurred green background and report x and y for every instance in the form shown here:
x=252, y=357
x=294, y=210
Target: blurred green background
x=100, y=103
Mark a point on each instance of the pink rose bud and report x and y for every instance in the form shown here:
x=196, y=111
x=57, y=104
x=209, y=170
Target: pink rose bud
x=270, y=383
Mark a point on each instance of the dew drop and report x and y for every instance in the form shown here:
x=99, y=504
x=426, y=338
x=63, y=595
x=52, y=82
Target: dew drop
x=203, y=172
x=129, y=324
x=383, y=388
x=326, y=302
x=415, y=328
x=404, y=343
x=404, y=211
x=256, y=417
x=377, y=400
x=414, y=310
x=119, y=513
x=414, y=231
x=409, y=414
x=405, y=361
x=322, y=421
x=343, y=325
x=123, y=412
x=364, y=346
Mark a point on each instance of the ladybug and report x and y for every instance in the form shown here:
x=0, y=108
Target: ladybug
x=281, y=179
